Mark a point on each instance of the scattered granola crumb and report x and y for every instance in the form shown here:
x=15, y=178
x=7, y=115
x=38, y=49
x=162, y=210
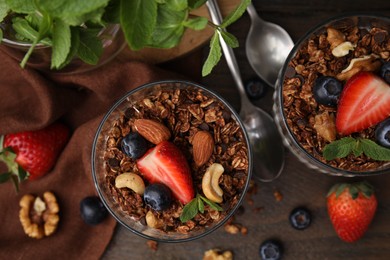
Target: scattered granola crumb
x=232, y=229
x=152, y=245
x=216, y=254
x=278, y=196
x=244, y=230
x=258, y=209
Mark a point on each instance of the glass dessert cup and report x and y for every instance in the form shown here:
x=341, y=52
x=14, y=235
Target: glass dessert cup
x=363, y=22
x=99, y=166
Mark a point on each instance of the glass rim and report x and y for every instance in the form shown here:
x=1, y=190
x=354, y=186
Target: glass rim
x=100, y=192
x=330, y=170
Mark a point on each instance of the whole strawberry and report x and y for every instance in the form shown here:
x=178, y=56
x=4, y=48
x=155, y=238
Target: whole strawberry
x=32, y=154
x=351, y=208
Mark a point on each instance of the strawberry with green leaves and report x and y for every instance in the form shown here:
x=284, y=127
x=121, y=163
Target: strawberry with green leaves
x=32, y=154
x=351, y=208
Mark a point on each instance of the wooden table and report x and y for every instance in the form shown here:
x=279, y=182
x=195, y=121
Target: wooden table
x=300, y=186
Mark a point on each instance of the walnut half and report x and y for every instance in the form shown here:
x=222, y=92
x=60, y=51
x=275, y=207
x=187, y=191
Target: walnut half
x=39, y=218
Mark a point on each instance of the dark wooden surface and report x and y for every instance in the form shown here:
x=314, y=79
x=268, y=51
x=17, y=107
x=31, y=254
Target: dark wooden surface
x=299, y=185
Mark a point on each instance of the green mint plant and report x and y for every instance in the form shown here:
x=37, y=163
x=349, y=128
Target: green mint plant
x=356, y=146
x=71, y=27
x=197, y=205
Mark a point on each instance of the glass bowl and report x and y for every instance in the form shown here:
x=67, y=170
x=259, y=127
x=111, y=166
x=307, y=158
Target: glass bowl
x=195, y=105
x=294, y=106
x=113, y=43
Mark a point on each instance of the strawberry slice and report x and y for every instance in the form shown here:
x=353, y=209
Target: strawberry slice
x=364, y=102
x=166, y=164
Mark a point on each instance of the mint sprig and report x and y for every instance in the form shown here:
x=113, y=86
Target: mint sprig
x=71, y=27
x=358, y=146
x=215, y=52
x=197, y=205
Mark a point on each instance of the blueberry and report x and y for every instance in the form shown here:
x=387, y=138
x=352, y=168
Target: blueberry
x=158, y=196
x=385, y=72
x=255, y=88
x=300, y=218
x=134, y=145
x=327, y=91
x=92, y=210
x=382, y=133
x=270, y=250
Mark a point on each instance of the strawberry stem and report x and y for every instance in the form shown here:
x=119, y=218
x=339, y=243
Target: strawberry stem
x=16, y=173
x=363, y=187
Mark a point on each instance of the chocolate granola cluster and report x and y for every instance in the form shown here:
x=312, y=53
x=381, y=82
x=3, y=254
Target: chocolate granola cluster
x=338, y=52
x=184, y=112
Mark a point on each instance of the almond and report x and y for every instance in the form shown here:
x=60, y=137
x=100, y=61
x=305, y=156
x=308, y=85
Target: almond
x=153, y=131
x=202, y=147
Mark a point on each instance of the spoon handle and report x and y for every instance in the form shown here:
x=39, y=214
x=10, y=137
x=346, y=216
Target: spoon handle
x=252, y=12
x=231, y=60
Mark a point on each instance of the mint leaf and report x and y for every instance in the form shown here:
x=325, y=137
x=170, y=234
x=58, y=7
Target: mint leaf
x=196, y=205
x=44, y=28
x=61, y=43
x=177, y=5
x=375, y=151
x=21, y=6
x=74, y=12
x=190, y=210
x=214, y=55
x=339, y=149
x=25, y=32
x=357, y=149
x=213, y=205
x=74, y=46
x=90, y=47
x=169, y=27
x=4, y=9
x=198, y=23
x=229, y=38
x=112, y=12
x=200, y=204
x=194, y=4
x=138, y=21
x=235, y=14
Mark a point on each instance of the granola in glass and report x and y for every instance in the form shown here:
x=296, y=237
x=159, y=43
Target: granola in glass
x=184, y=113
x=340, y=51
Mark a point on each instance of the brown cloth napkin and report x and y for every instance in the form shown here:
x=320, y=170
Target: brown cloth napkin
x=31, y=100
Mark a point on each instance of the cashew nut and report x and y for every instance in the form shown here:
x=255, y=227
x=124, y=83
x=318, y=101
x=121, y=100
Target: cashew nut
x=130, y=180
x=152, y=221
x=210, y=183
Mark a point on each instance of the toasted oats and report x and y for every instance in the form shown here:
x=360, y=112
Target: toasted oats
x=185, y=113
x=315, y=59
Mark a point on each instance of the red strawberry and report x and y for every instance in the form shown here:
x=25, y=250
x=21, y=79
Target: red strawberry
x=364, y=102
x=351, y=208
x=166, y=164
x=34, y=151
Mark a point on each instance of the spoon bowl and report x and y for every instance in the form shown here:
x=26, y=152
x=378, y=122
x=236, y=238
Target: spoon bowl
x=266, y=143
x=267, y=47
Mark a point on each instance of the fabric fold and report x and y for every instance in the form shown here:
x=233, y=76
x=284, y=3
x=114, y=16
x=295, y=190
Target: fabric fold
x=31, y=100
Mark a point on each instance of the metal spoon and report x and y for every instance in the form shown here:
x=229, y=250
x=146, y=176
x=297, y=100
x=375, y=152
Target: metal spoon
x=267, y=146
x=267, y=47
